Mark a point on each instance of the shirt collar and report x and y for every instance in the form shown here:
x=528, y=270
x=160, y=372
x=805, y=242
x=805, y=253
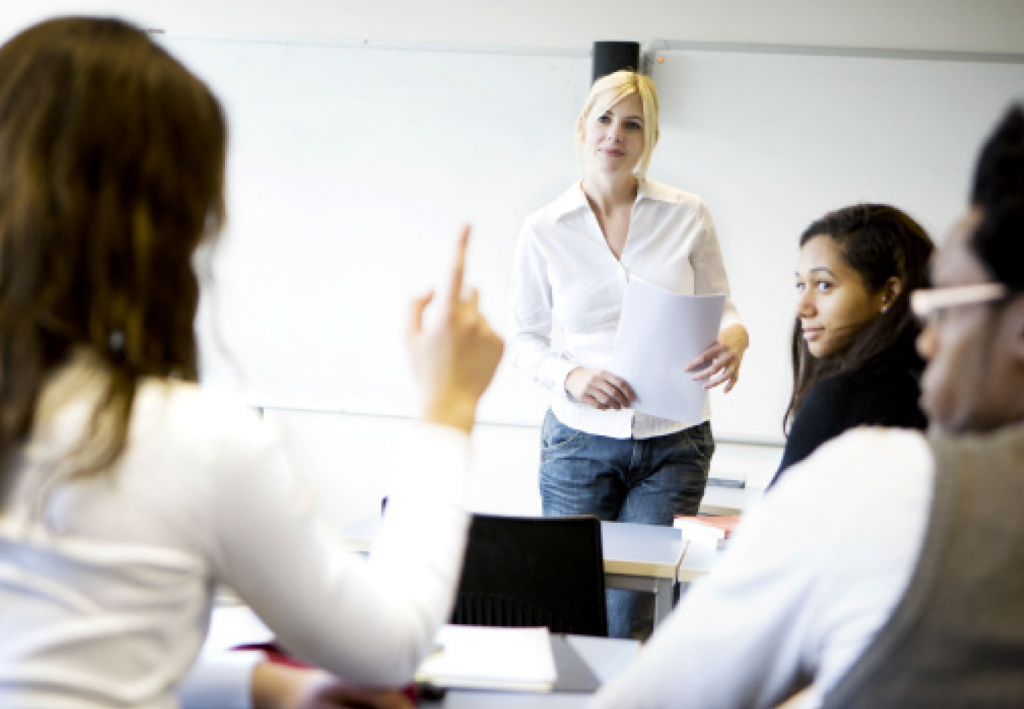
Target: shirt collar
x=573, y=199
x=652, y=189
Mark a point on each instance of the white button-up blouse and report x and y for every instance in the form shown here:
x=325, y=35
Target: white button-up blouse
x=568, y=289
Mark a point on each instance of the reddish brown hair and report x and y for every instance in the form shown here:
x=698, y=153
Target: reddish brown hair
x=111, y=174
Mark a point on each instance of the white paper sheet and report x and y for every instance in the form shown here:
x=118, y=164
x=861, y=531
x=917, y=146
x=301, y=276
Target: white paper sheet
x=517, y=659
x=660, y=332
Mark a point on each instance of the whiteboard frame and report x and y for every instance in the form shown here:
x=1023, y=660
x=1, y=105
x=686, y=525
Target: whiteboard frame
x=652, y=48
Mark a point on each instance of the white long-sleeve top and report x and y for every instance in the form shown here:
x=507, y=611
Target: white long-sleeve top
x=566, y=278
x=810, y=577
x=108, y=604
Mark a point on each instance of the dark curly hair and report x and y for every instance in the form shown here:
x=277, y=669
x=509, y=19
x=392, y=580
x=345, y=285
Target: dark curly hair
x=998, y=190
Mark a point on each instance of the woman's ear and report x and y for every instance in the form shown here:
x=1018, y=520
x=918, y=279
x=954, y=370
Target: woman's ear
x=890, y=292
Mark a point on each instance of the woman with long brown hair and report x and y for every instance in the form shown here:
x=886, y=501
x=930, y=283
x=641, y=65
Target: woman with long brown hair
x=127, y=492
x=854, y=361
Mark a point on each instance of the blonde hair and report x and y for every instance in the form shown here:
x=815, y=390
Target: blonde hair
x=610, y=90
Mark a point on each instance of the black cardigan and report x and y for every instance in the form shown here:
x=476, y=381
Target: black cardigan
x=882, y=392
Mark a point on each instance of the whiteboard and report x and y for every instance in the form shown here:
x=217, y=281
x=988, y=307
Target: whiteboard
x=773, y=139
x=351, y=169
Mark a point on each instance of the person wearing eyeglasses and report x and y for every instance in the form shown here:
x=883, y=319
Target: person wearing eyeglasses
x=887, y=569
x=854, y=361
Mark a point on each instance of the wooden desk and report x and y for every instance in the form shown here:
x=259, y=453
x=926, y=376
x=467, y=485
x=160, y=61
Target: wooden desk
x=698, y=560
x=641, y=557
x=637, y=557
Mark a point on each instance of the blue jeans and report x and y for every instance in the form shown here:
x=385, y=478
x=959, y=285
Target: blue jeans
x=647, y=481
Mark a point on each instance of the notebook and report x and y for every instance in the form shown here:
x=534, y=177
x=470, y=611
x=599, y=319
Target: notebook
x=476, y=657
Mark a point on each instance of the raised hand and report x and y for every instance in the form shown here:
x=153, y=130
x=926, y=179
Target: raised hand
x=455, y=359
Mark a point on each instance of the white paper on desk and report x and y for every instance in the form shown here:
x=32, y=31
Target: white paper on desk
x=477, y=657
x=660, y=332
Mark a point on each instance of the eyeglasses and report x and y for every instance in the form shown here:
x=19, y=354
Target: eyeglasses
x=928, y=304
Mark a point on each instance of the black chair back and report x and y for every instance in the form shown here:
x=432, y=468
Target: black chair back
x=533, y=571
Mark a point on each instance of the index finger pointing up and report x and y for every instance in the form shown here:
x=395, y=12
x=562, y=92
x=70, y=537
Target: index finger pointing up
x=459, y=269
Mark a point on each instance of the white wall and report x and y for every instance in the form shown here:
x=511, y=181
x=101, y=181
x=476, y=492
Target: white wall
x=342, y=455
x=345, y=459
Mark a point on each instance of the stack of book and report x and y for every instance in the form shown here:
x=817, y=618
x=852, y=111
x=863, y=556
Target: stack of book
x=713, y=531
